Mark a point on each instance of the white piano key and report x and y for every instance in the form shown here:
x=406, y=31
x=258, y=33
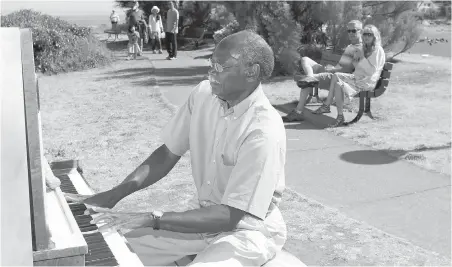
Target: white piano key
x=115, y=241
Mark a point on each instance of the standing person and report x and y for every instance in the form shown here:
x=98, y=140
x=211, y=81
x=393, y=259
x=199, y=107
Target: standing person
x=344, y=86
x=114, y=19
x=156, y=29
x=133, y=47
x=237, y=144
x=172, y=22
x=311, y=72
x=135, y=18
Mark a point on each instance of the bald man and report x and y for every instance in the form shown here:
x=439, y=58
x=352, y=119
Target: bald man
x=237, y=145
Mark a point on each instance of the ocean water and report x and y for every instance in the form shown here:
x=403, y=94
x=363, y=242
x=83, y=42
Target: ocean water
x=97, y=21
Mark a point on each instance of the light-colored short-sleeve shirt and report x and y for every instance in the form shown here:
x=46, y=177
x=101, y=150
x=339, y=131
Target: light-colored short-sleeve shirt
x=237, y=154
x=368, y=70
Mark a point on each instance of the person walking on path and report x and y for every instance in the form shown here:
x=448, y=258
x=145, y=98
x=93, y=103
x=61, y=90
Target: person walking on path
x=344, y=86
x=172, y=22
x=237, y=144
x=155, y=29
x=311, y=72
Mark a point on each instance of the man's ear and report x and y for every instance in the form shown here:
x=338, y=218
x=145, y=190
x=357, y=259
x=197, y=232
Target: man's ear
x=253, y=72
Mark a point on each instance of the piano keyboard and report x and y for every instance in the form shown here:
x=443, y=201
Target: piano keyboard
x=104, y=249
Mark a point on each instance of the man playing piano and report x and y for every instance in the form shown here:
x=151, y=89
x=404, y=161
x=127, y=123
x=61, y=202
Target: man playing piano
x=237, y=143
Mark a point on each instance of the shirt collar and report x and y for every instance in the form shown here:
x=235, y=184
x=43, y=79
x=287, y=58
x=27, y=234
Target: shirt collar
x=239, y=109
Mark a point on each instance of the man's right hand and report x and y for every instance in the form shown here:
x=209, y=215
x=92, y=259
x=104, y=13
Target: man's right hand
x=105, y=199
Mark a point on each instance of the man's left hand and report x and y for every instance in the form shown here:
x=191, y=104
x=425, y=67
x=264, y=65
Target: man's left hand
x=114, y=220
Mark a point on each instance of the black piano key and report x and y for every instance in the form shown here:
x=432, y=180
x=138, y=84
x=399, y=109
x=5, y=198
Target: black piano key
x=102, y=262
x=99, y=253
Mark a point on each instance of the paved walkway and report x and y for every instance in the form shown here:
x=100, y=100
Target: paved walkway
x=368, y=185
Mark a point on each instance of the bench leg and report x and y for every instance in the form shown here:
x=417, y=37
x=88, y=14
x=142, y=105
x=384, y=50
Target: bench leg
x=367, y=109
x=314, y=93
x=360, y=111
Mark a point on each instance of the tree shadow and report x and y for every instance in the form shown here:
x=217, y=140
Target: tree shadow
x=175, y=72
x=207, y=56
x=186, y=81
x=387, y=156
x=131, y=73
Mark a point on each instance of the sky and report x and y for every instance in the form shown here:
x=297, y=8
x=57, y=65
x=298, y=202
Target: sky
x=61, y=7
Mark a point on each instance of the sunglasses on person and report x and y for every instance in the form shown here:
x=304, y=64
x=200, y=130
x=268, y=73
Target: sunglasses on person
x=352, y=31
x=369, y=34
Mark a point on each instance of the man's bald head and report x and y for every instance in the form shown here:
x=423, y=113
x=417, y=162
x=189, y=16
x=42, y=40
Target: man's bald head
x=249, y=48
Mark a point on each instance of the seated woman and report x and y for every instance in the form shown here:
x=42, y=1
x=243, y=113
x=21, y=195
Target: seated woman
x=345, y=86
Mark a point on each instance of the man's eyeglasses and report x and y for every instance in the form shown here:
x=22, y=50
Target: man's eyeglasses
x=217, y=67
x=352, y=31
x=368, y=34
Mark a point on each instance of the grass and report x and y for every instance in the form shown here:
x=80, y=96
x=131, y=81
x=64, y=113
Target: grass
x=413, y=116
x=110, y=119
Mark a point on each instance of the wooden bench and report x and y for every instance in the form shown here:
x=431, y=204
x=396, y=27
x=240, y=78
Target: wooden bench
x=364, y=97
x=194, y=35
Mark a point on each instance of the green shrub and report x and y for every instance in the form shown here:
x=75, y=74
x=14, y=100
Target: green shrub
x=58, y=45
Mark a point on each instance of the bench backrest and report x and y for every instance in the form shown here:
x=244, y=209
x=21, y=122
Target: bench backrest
x=383, y=82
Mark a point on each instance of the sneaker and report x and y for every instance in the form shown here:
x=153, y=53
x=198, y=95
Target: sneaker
x=168, y=57
x=293, y=116
x=160, y=52
x=154, y=52
x=322, y=109
x=307, y=81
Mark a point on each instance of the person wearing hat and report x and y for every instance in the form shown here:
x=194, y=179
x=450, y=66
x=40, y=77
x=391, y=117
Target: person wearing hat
x=310, y=72
x=155, y=29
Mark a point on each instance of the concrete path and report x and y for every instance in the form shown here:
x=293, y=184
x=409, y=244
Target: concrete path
x=365, y=184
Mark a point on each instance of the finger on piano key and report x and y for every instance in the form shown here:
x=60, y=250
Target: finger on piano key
x=75, y=198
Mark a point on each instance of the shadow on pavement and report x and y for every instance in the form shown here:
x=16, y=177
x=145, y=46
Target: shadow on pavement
x=368, y=157
x=387, y=156
x=301, y=126
x=320, y=121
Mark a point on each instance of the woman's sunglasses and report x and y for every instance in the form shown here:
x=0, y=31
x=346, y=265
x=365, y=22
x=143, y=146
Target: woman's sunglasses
x=368, y=34
x=352, y=31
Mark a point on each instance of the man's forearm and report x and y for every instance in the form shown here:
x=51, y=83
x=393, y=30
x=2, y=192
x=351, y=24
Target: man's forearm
x=212, y=219
x=154, y=168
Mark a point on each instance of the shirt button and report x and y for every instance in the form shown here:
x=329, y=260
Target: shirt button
x=213, y=161
x=208, y=182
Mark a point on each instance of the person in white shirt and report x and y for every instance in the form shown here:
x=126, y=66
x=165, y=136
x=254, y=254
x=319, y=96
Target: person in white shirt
x=114, y=19
x=237, y=144
x=155, y=29
x=344, y=86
